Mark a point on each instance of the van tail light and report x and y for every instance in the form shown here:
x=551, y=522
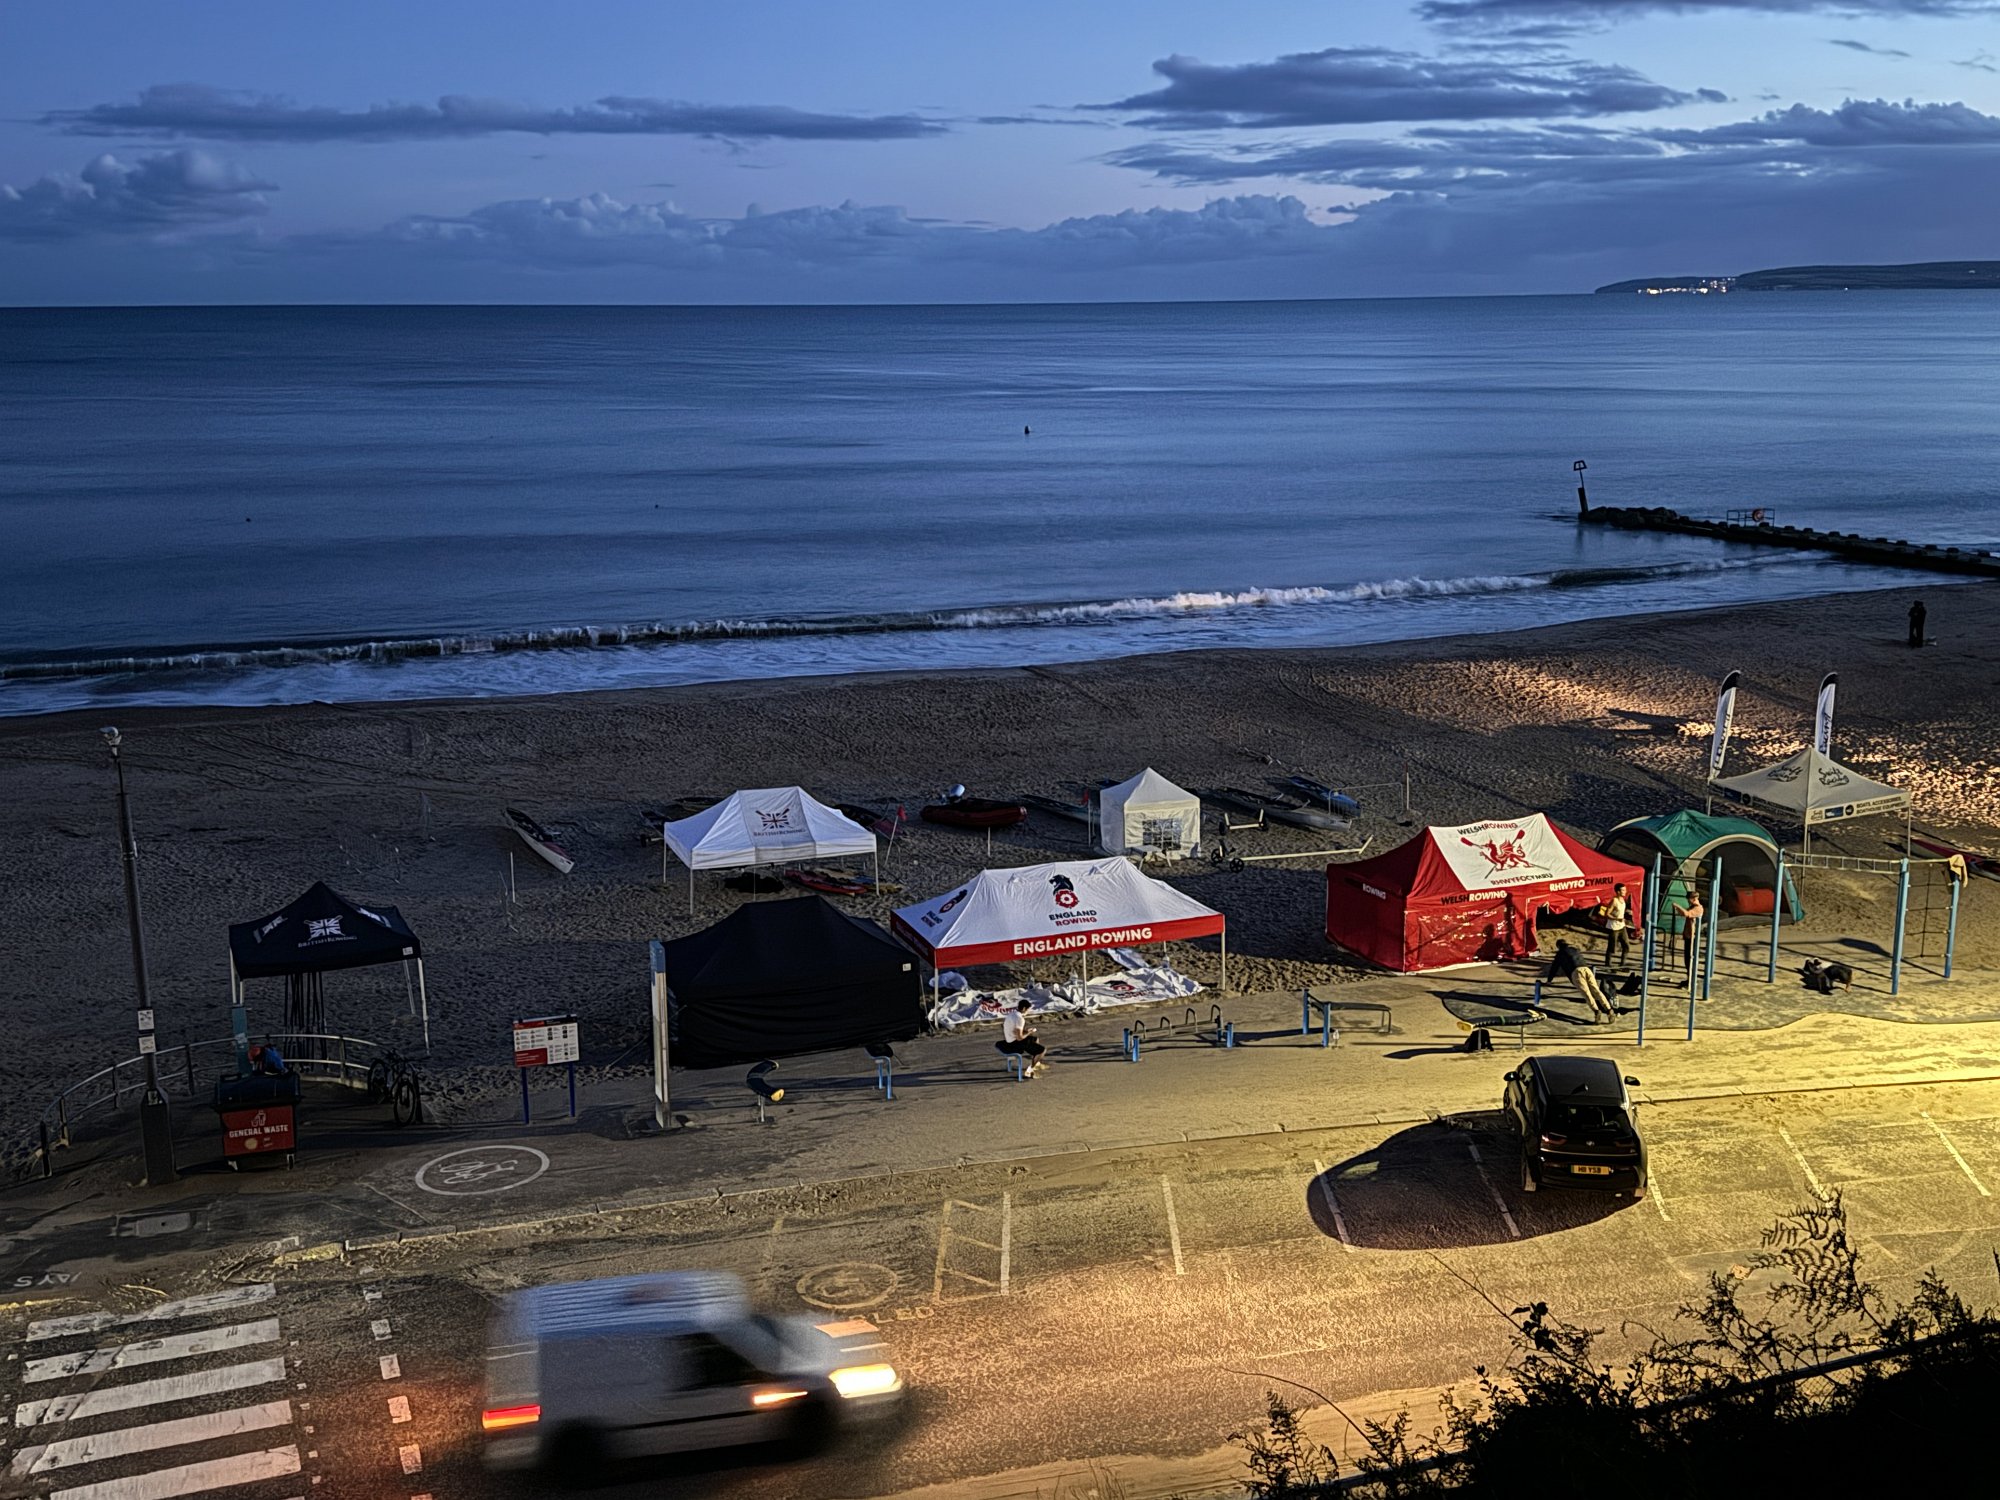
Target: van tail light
x=500, y=1418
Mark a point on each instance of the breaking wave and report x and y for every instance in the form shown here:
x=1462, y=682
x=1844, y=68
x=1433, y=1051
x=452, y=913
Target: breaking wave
x=1207, y=604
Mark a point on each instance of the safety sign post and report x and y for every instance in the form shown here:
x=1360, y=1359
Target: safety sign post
x=544, y=1042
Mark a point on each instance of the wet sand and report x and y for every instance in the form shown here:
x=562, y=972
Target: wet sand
x=237, y=811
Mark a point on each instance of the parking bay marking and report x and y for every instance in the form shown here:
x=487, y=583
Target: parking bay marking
x=1962, y=1164
x=1479, y=1166
x=948, y=1236
x=1173, y=1225
x=1332, y=1204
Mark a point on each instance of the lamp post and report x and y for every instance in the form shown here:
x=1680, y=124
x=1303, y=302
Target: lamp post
x=156, y=1134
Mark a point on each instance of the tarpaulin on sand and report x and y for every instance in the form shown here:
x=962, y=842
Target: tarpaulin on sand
x=777, y=978
x=1044, y=911
x=1468, y=894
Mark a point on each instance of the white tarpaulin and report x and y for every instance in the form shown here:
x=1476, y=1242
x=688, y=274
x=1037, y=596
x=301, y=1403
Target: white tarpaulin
x=1816, y=788
x=1503, y=852
x=1045, y=911
x=1148, y=815
x=775, y=825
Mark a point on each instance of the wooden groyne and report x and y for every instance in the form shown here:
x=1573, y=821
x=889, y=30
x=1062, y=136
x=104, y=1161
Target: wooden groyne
x=1760, y=529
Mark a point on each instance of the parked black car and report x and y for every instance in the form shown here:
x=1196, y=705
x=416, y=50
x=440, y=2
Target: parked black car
x=1576, y=1124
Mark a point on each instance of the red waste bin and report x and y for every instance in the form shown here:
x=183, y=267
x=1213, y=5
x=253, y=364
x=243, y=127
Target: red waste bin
x=266, y=1130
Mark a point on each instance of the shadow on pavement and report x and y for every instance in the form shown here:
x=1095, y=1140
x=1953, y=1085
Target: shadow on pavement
x=1442, y=1186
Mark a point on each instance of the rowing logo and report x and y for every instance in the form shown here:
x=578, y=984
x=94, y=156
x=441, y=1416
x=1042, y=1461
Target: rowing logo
x=1065, y=890
x=777, y=822
x=1503, y=854
x=931, y=918
x=324, y=930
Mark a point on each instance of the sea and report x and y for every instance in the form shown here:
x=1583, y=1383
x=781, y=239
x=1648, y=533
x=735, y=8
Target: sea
x=278, y=504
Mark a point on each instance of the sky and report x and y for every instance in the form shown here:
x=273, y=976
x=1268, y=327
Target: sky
x=767, y=151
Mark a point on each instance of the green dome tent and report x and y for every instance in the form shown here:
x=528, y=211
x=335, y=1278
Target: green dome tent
x=1688, y=844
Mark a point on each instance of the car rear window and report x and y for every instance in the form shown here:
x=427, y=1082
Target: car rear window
x=1587, y=1117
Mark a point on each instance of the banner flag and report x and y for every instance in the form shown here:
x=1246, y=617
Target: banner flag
x=1823, y=716
x=1725, y=716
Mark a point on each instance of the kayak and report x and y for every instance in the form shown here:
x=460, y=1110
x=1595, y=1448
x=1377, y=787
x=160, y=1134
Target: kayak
x=976, y=812
x=1324, y=797
x=1274, y=809
x=538, y=839
x=1056, y=807
x=839, y=883
x=1979, y=864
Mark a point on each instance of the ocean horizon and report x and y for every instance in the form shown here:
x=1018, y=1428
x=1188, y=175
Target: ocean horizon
x=280, y=504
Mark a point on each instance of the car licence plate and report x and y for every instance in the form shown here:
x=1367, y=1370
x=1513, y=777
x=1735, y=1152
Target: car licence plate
x=1592, y=1171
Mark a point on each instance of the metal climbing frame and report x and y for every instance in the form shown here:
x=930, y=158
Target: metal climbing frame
x=1927, y=899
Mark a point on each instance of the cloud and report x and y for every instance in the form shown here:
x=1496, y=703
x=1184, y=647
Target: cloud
x=1854, y=46
x=1375, y=85
x=197, y=111
x=599, y=230
x=1981, y=62
x=151, y=195
x=1560, y=17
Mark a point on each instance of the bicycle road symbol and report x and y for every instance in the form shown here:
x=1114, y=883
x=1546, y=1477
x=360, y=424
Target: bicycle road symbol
x=481, y=1169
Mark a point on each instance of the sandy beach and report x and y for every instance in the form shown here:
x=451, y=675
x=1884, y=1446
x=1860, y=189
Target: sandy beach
x=237, y=811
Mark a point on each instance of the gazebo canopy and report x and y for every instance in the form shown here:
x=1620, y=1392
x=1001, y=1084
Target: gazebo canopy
x=774, y=825
x=1815, y=788
x=318, y=933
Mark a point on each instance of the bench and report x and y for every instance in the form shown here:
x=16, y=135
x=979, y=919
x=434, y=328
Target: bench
x=1213, y=1032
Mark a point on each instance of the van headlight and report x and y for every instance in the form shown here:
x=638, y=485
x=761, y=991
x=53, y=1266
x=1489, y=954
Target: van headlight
x=866, y=1380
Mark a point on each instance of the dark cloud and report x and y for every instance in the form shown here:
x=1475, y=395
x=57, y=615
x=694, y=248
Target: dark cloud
x=1374, y=85
x=193, y=110
x=1854, y=46
x=1560, y=17
x=1980, y=62
x=151, y=195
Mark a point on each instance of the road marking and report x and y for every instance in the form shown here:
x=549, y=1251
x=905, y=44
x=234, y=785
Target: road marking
x=380, y=1328
x=1006, y=1239
x=186, y=1307
x=152, y=1351
x=392, y=1367
x=191, y=1479
x=68, y=1452
x=1492, y=1192
x=1963, y=1166
x=148, y=1392
x=399, y=1408
x=848, y=1285
x=473, y=1170
x=770, y=1260
x=1804, y=1165
x=410, y=1454
x=1173, y=1226
x=1659, y=1198
x=1332, y=1204
x=948, y=1236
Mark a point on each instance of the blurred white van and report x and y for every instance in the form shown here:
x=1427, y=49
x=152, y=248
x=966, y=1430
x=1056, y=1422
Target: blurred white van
x=589, y=1371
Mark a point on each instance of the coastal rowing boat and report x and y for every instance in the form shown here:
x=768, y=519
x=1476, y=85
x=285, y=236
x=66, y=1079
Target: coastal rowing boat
x=1315, y=794
x=1055, y=807
x=1987, y=865
x=976, y=812
x=872, y=819
x=1274, y=809
x=538, y=839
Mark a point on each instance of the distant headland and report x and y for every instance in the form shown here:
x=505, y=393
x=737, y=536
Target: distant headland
x=1929, y=276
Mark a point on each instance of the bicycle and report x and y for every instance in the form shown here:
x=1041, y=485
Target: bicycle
x=392, y=1078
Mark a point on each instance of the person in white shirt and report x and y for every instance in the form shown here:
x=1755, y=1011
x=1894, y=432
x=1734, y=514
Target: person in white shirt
x=1018, y=1035
x=1616, y=939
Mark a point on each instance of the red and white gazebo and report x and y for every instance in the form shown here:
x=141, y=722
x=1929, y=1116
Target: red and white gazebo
x=1045, y=911
x=1469, y=894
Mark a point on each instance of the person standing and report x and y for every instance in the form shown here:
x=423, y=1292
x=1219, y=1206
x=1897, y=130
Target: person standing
x=1691, y=912
x=1917, y=623
x=1616, y=940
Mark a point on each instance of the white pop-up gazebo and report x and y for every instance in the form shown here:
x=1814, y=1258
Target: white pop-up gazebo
x=1815, y=788
x=771, y=826
x=1044, y=911
x=1146, y=815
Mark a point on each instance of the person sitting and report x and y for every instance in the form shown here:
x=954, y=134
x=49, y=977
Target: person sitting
x=1568, y=964
x=1018, y=1037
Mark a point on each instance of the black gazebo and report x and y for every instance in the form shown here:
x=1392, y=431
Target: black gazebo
x=320, y=932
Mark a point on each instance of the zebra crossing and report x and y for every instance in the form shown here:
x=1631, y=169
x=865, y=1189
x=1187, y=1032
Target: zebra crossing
x=188, y=1397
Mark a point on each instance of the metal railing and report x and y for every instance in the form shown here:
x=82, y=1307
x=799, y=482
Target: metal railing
x=344, y=1060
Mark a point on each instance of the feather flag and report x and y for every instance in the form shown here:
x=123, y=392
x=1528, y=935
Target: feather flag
x=1823, y=715
x=1725, y=716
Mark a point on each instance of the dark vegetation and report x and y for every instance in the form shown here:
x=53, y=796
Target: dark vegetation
x=1821, y=1380
x=1929, y=276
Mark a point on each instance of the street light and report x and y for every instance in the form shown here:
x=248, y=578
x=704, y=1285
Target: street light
x=156, y=1132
